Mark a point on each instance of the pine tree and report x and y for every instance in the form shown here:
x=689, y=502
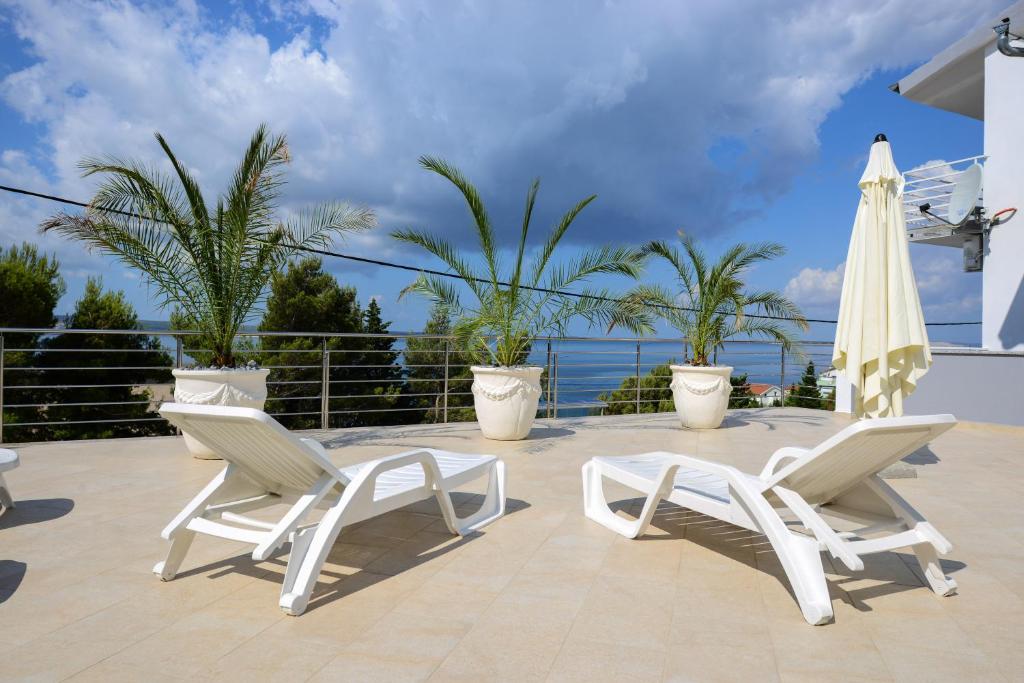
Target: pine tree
x=305, y=298
x=425, y=359
x=126, y=368
x=806, y=395
x=382, y=374
x=741, y=396
x=30, y=287
x=655, y=393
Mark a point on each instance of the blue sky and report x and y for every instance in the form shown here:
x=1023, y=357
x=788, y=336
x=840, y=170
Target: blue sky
x=672, y=118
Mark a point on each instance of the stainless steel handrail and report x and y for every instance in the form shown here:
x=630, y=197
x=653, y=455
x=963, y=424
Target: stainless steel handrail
x=581, y=374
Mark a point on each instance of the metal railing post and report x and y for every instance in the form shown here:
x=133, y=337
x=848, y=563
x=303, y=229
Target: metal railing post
x=179, y=361
x=444, y=399
x=637, y=376
x=554, y=371
x=782, y=374
x=1, y=388
x=547, y=402
x=325, y=385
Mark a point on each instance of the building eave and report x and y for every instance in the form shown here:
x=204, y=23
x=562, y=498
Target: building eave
x=954, y=80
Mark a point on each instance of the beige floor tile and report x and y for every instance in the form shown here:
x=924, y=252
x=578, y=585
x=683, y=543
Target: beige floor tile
x=627, y=611
x=586, y=660
x=514, y=640
x=720, y=656
x=543, y=593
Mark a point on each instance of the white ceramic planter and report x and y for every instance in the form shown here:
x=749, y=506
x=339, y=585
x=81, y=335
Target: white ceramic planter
x=701, y=395
x=506, y=400
x=241, y=388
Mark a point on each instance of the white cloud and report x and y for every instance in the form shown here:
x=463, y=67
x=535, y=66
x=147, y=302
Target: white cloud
x=947, y=293
x=816, y=286
x=605, y=98
x=616, y=98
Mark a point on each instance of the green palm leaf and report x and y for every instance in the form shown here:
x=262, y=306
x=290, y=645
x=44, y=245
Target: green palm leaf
x=509, y=313
x=212, y=262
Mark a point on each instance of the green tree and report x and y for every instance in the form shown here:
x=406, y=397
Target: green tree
x=656, y=393
x=712, y=304
x=424, y=389
x=305, y=298
x=741, y=396
x=30, y=287
x=508, y=312
x=806, y=394
x=213, y=261
x=383, y=376
x=125, y=400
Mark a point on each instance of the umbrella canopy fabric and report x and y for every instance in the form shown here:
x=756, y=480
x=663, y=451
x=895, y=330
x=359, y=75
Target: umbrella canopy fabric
x=881, y=341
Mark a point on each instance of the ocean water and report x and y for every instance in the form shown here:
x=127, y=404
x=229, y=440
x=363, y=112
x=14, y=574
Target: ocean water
x=586, y=368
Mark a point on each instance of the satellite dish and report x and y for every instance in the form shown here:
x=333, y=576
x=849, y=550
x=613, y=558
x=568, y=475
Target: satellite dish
x=965, y=195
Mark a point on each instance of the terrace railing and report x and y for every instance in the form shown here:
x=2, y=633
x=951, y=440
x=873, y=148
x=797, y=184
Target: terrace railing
x=329, y=380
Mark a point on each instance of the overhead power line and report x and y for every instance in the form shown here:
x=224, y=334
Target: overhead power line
x=439, y=273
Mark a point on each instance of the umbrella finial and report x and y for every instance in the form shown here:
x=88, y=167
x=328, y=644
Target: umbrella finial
x=881, y=138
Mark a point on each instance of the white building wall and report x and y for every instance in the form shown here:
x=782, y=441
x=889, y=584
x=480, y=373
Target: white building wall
x=1003, y=305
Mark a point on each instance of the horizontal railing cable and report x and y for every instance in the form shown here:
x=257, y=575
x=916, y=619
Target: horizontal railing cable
x=441, y=273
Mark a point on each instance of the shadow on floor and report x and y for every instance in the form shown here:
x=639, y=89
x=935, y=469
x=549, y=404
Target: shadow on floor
x=399, y=556
x=12, y=572
x=754, y=550
x=35, y=511
x=922, y=456
x=739, y=417
x=340, y=438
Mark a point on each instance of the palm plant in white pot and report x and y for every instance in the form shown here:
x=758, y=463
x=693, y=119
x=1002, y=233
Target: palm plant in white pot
x=511, y=308
x=710, y=307
x=211, y=262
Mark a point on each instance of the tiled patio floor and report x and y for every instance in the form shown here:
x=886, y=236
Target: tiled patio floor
x=543, y=594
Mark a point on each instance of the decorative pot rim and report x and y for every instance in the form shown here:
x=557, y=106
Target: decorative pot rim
x=708, y=369
x=507, y=369
x=206, y=372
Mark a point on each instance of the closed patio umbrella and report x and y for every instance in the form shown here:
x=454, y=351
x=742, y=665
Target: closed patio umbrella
x=881, y=341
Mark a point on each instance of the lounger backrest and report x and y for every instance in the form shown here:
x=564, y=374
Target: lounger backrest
x=862, y=449
x=255, y=442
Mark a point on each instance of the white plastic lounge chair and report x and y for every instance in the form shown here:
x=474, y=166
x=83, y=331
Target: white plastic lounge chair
x=268, y=465
x=836, y=480
x=8, y=461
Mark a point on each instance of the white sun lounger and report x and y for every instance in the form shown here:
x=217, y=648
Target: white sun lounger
x=836, y=480
x=268, y=465
x=8, y=461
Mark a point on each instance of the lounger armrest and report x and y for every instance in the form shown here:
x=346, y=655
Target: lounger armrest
x=371, y=470
x=314, y=444
x=781, y=458
x=735, y=478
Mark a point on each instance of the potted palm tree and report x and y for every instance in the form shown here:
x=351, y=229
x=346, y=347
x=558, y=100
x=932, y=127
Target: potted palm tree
x=711, y=307
x=211, y=262
x=512, y=308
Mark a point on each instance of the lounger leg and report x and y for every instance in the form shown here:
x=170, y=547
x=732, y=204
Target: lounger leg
x=493, y=506
x=801, y=560
x=596, y=507
x=928, y=560
x=6, y=501
x=167, y=569
x=300, y=546
x=308, y=556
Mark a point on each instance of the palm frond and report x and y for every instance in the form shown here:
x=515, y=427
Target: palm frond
x=540, y=263
x=476, y=207
x=214, y=263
